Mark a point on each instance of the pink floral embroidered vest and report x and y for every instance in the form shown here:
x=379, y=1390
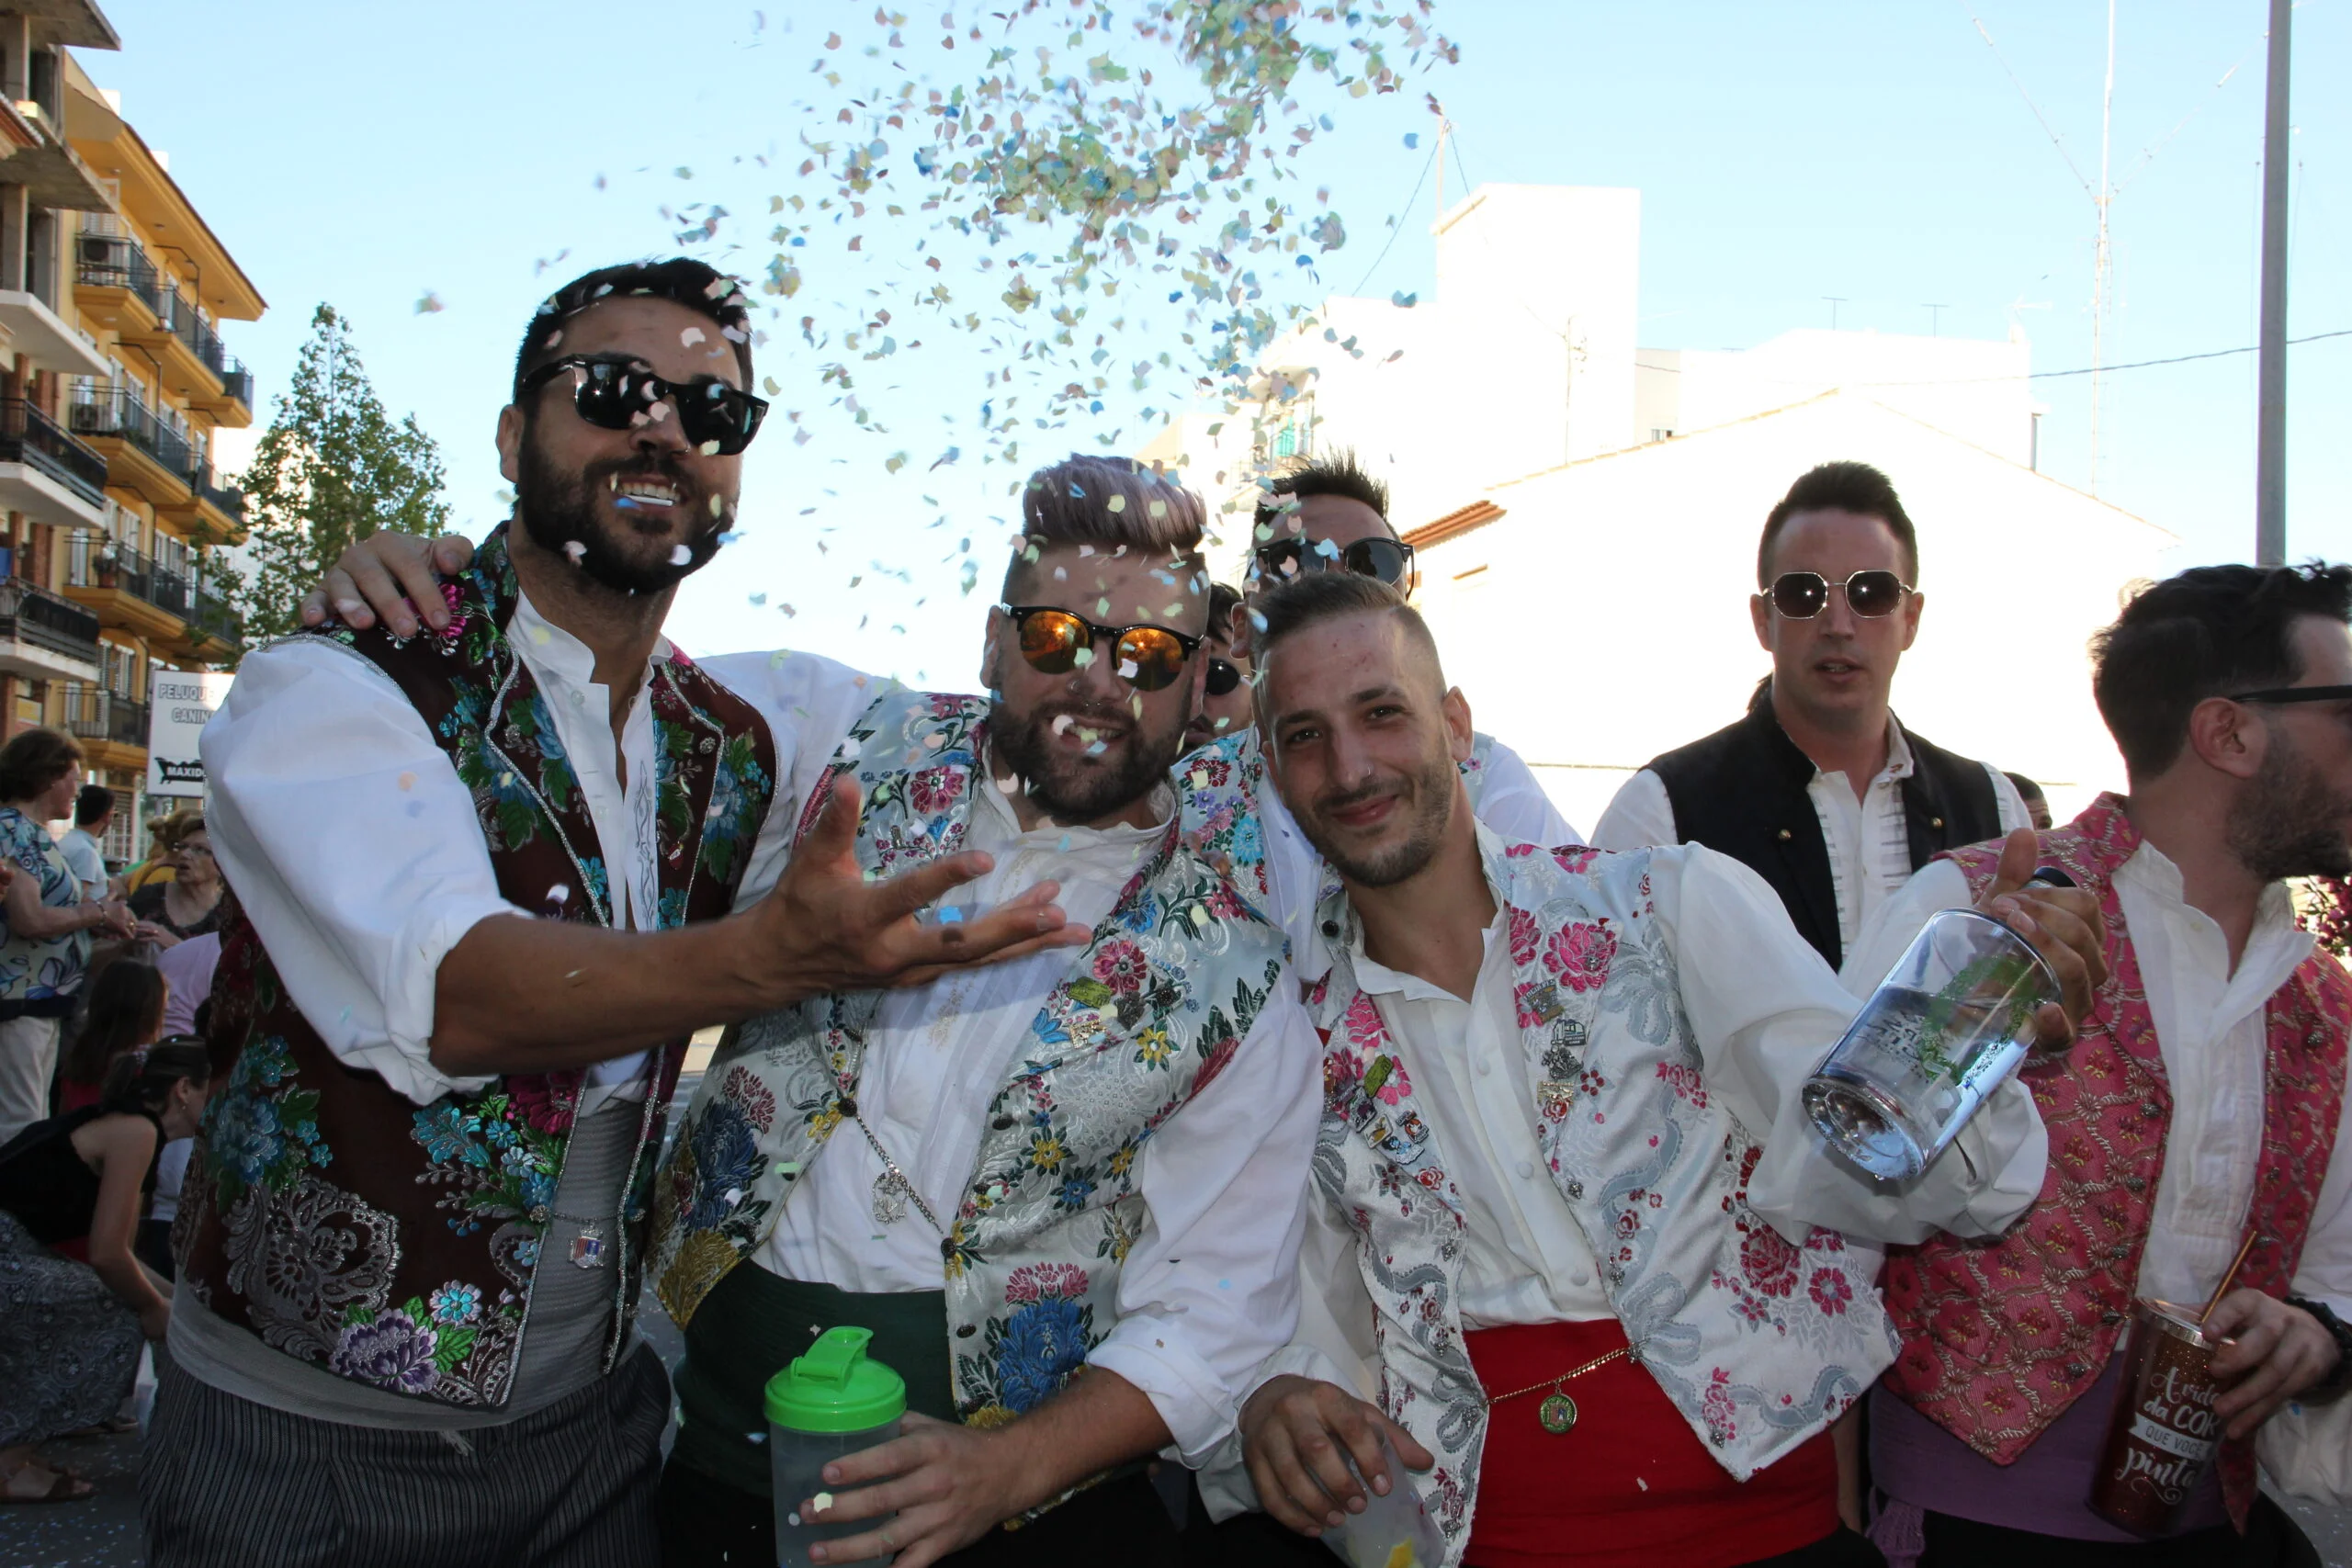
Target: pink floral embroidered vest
x=2000, y=1337
x=1757, y=1343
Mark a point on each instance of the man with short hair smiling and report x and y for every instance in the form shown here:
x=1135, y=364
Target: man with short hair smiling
x=1569, y=1221
x=485, y=877
x=2205, y=1102
x=1820, y=789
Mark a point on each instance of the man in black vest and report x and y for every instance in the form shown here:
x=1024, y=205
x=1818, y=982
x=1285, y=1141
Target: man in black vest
x=1820, y=788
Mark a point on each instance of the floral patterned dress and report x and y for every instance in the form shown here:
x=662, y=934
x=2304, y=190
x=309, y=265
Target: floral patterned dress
x=40, y=979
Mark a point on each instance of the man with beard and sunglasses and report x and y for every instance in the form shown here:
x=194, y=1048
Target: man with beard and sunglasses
x=1820, y=789
x=1062, y=1194
x=2204, y=1103
x=1570, y=1222
x=485, y=876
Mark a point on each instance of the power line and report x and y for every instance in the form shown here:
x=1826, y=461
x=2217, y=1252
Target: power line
x=1396, y=224
x=2042, y=375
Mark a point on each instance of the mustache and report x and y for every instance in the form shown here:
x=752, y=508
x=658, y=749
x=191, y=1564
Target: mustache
x=1339, y=800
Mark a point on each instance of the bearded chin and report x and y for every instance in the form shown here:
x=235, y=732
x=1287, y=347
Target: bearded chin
x=1433, y=814
x=559, y=511
x=1069, y=790
x=2288, y=823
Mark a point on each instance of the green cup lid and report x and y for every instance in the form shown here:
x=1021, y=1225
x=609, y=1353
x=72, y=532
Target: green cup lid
x=834, y=1388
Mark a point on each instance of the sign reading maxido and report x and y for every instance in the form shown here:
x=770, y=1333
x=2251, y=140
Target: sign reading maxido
x=179, y=704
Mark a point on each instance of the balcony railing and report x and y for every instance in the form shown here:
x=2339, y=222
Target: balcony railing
x=31, y=437
x=93, y=713
x=38, y=617
x=216, y=619
x=115, y=261
x=226, y=499
x=193, y=330
x=120, y=414
x=237, y=382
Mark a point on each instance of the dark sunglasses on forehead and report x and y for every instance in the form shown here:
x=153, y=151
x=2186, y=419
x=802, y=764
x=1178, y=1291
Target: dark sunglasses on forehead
x=1146, y=656
x=615, y=392
x=1800, y=596
x=1390, y=561
x=1224, y=675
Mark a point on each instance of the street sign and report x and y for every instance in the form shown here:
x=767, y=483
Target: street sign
x=179, y=702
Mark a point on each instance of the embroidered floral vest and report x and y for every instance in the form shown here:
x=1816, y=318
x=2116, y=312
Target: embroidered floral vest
x=1757, y=1343
x=2000, y=1337
x=1149, y=1012
x=393, y=1244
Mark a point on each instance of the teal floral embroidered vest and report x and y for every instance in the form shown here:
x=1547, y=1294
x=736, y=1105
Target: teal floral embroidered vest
x=1150, y=1011
x=1759, y=1344
x=393, y=1244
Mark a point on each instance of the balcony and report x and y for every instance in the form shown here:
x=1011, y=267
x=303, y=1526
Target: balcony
x=215, y=632
x=127, y=589
x=233, y=405
x=45, y=637
x=142, y=454
x=45, y=473
x=36, y=330
x=114, y=281
x=95, y=714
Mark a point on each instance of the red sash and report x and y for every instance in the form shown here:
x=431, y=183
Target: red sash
x=1630, y=1485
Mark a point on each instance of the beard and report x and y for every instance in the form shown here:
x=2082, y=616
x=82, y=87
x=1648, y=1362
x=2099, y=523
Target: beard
x=558, y=510
x=2289, y=823
x=1432, y=792
x=1077, y=788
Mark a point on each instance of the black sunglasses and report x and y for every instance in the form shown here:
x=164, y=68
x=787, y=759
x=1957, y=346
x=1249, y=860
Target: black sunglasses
x=2297, y=694
x=1390, y=561
x=1800, y=596
x=1224, y=675
x=615, y=392
x=1148, y=656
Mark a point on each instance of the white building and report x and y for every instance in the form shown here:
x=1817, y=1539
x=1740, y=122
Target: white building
x=1587, y=512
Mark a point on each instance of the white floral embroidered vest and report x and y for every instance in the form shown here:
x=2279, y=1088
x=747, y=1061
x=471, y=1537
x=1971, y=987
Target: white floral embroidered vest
x=1150, y=1011
x=1757, y=1343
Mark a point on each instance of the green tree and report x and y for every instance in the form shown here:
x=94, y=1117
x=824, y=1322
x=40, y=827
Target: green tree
x=333, y=469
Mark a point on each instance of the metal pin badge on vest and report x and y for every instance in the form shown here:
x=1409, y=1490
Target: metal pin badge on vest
x=588, y=1247
x=1564, y=1057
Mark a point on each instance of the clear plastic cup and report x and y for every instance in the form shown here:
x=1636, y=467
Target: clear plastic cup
x=1394, y=1531
x=1949, y=1023
x=828, y=1403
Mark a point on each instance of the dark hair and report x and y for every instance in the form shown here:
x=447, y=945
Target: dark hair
x=681, y=280
x=1070, y=503
x=34, y=761
x=1844, y=487
x=1334, y=473
x=1223, y=602
x=139, y=1081
x=92, y=805
x=2210, y=632
x=125, y=1011
x=1322, y=596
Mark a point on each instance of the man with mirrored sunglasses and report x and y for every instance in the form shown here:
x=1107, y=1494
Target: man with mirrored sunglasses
x=485, y=866
x=1224, y=697
x=1819, y=788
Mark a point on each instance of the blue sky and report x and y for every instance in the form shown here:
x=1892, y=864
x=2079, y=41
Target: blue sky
x=365, y=155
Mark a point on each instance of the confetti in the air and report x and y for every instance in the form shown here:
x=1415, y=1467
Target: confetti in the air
x=1065, y=183
x=429, y=303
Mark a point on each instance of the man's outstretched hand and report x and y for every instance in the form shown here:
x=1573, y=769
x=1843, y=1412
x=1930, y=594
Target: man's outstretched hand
x=390, y=576
x=826, y=928
x=2065, y=928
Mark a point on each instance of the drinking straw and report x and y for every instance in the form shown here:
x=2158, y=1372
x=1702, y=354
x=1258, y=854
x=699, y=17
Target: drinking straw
x=2223, y=1289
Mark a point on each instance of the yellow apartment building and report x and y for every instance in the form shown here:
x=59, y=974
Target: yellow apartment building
x=114, y=381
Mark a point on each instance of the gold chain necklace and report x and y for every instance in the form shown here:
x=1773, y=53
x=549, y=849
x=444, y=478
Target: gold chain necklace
x=1558, y=1413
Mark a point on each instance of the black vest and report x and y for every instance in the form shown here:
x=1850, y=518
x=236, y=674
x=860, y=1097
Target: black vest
x=1742, y=791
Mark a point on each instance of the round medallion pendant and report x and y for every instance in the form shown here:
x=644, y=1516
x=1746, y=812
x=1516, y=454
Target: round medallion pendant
x=1558, y=1413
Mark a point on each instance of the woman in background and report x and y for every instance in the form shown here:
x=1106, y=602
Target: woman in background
x=71, y=1332
x=188, y=904
x=125, y=1012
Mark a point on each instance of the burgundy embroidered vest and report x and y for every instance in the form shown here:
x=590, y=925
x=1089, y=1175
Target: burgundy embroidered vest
x=393, y=1244
x=2000, y=1337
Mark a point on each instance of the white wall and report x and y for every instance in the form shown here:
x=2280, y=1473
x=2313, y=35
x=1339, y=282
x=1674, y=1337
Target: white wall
x=1604, y=619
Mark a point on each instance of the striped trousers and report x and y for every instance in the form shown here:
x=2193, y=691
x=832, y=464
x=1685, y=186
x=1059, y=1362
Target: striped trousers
x=225, y=1483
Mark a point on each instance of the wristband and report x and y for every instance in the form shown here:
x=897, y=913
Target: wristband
x=2340, y=1379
